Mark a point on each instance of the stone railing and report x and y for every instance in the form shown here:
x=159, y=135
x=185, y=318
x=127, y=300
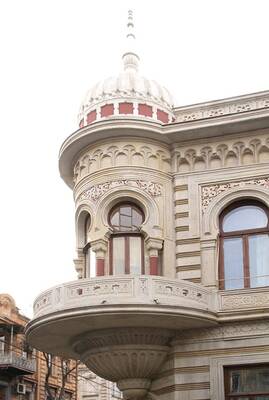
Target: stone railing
x=147, y=290
x=11, y=359
x=124, y=290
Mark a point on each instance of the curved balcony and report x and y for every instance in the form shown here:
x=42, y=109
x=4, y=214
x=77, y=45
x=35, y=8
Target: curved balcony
x=116, y=301
x=119, y=326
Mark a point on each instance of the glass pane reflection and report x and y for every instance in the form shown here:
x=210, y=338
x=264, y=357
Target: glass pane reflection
x=135, y=255
x=119, y=255
x=250, y=381
x=259, y=260
x=245, y=217
x=233, y=263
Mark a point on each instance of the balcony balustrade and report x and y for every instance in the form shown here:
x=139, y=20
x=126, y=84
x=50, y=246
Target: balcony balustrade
x=17, y=363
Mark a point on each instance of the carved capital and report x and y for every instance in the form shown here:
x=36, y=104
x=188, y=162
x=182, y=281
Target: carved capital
x=99, y=246
x=154, y=245
x=79, y=266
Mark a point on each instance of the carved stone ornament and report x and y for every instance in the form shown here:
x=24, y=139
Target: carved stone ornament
x=220, y=155
x=95, y=192
x=245, y=301
x=210, y=192
x=224, y=108
x=118, y=155
x=226, y=331
x=129, y=356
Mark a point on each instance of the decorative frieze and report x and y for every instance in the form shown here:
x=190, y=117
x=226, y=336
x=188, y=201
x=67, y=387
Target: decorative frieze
x=244, y=301
x=236, y=329
x=97, y=288
x=222, y=108
x=45, y=300
x=93, y=193
x=121, y=155
x=212, y=191
x=222, y=155
x=169, y=288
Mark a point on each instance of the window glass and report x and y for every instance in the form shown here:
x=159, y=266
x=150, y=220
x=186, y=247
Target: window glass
x=249, y=381
x=126, y=241
x=243, y=218
x=259, y=260
x=233, y=263
x=118, y=244
x=115, y=219
x=135, y=255
x=126, y=211
x=126, y=218
x=137, y=218
x=126, y=221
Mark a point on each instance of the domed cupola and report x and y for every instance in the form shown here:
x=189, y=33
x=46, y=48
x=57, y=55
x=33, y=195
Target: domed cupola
x=128, y=94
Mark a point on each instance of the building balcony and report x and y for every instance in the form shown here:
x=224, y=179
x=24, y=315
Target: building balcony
x=15, y=364
x=113, y=301
x=107, y=322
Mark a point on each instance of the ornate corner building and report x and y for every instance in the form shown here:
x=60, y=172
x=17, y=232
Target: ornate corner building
x=172, y=229
x=23, y=369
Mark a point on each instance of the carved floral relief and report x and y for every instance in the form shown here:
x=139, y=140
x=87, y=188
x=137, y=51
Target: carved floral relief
x=210, y=192
x=93, y=193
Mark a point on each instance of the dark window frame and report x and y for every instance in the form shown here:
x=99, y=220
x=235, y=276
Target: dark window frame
x=244, y=235
x=249, y=395
x=126, y=234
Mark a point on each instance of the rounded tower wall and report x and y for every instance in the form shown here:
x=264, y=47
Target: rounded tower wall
x=125, y=171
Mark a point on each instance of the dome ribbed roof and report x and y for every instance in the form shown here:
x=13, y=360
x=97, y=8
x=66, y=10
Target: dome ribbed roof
x=129, y=87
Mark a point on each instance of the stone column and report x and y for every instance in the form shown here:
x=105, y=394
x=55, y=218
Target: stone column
x=100, y=248
x=79, y=264
x=153, y=246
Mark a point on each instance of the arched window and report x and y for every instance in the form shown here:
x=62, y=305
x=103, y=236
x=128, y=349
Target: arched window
x=244, y=246
x=126, y=244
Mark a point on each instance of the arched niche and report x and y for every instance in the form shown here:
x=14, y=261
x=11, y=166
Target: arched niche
x=210, y=219
x=83, y=213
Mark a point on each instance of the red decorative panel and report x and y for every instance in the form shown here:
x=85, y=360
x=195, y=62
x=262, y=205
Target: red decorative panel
x=144, y=109
x=81, y=124
x=107, y=110
x=126, y=108
x=153, y=265
x=100, y=267
x=91, y=117
x=162, y=116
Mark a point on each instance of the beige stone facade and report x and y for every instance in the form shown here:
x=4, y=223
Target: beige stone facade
x=170, y=330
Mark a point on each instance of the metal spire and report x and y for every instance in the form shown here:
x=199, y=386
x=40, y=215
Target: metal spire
x=130, y=58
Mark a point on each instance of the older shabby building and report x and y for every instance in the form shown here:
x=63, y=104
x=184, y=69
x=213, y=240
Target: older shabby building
x=173, y=204
x=23, y=369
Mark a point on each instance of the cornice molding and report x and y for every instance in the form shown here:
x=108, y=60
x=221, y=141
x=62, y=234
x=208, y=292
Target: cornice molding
x=219, y=108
